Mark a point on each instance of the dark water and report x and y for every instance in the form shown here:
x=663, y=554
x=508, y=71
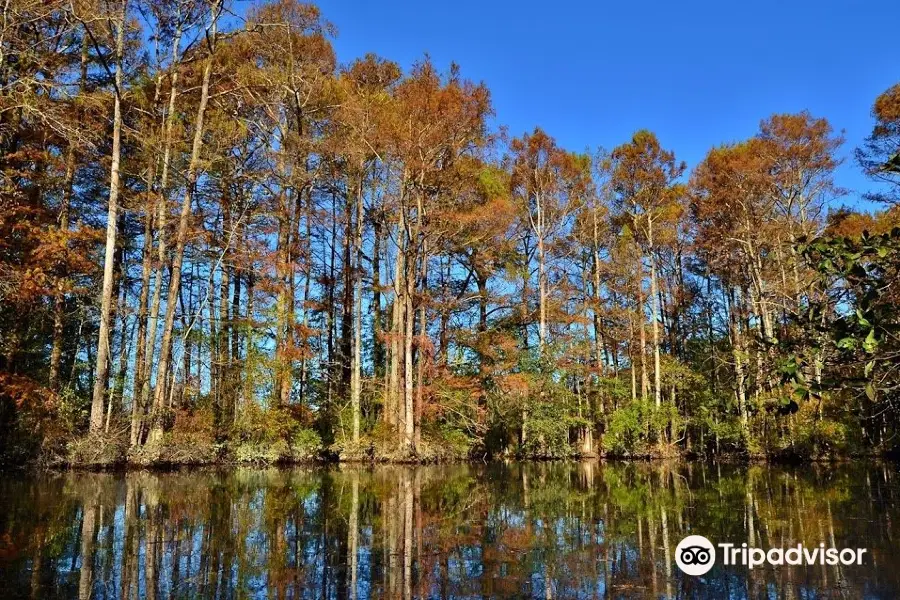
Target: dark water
x=552, y=530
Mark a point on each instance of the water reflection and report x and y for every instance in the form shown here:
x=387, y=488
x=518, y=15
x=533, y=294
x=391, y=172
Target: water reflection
x=552, y=530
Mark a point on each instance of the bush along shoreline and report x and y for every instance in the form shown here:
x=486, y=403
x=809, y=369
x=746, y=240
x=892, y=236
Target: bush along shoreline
x=191, y=441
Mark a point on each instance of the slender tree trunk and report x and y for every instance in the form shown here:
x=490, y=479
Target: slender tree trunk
x=163, y=210
x=356, y=375
x=377, y=342
x=225, y=358
x=285, y=328
x=598, y=327
x=234, y=371
x=345, y=349
x=409, y=320
x=395, y=413
x=140, y=362
x=307, y=279
x=100, y=373
x=331, y=311
x=249, y=386
x=654, y=307
x=422, y=346
x=643, y=335
x=181, y=239
x=116, y=399
x=542, y=294
x=631, y=359
x=737, y=346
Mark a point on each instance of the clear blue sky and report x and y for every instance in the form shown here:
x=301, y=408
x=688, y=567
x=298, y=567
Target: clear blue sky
x=698, y=73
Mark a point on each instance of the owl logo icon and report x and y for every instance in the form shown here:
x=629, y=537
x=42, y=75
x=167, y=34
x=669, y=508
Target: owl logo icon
x=695, y=555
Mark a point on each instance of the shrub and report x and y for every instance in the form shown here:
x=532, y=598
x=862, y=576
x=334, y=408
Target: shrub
x=626, y=431
x=632, y=429
x=305, y=444
x=547, y=430
x=99, y=449
x=273, y=435
x=262, y=453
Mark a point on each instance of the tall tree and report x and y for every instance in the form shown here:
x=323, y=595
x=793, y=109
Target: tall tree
x=644, y=180
x=112, y=222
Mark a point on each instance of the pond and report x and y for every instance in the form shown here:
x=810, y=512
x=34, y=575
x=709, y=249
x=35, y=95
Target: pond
x=539, y=530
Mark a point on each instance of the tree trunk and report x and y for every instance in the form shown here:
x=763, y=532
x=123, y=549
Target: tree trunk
x=643, y=334
x=377, y=342
x=395, y=412
x=356, y=374
x=409, y=320
x=345, y=349
x=163, y=209
x=225, y=358
x=421, y=353
x=307, y=279
x=181, y=239
x=542, y=294
x=654, y=307
x=102, y=370
x=139, y=362
x=283, y=343
x=234, y=370
x=598, y=327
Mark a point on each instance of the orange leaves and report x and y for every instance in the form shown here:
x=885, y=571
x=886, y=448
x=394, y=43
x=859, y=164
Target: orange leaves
x=781, y=175
x=25, y=393
x=436, y=119
x=643, y=179
x=34, y=253
x=291, y=34
x=518, y=385
x=879, y=156
x=801, y=151
x=887, y=106
x=540, y=166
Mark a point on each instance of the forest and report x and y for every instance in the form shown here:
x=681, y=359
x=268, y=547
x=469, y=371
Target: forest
x=219, y=244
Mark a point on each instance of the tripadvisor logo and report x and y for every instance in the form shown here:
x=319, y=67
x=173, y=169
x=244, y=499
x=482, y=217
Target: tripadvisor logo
x=696, y=555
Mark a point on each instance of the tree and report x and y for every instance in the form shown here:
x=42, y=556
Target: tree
x=112, y=220
x=162, y=371
x=644, y=181
x=879, y=156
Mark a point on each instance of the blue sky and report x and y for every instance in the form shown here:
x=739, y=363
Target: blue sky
x=698, y=73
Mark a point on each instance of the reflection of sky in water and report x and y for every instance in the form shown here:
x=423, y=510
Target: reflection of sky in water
x=561, y=530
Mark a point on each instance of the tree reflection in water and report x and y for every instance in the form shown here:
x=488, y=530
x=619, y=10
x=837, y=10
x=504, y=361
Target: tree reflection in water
x=541, y=530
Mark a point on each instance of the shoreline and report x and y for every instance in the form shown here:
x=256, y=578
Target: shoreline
x=163, y=466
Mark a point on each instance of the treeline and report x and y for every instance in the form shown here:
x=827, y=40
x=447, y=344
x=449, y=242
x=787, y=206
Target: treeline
x=216, y=242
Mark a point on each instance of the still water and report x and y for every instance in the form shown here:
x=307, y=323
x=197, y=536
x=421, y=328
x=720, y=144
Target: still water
x=538, y=530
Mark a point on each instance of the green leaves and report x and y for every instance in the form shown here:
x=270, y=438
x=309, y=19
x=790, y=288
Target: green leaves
x=847, y=343
x=868, y=370
x=870, y=391
x=861, y=320
x=870, y=344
